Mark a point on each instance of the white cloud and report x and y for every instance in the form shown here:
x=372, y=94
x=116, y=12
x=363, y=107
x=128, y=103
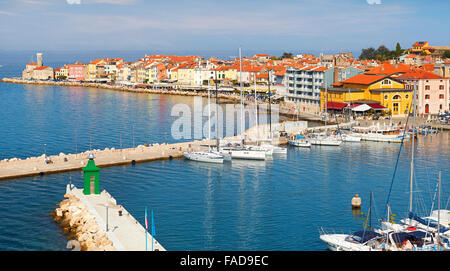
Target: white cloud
x=74, y=2
x=2, y=12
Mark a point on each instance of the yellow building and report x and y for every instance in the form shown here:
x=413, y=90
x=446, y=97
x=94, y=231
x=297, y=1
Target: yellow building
x=377, y=90
x=232, y=74
x=92, y=69
x=185, y=75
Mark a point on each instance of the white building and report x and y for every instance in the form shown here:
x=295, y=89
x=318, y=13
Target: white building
x=304, y=84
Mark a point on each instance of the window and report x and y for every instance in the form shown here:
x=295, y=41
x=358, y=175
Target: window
x=440, y=106
x=406, y=96
x=441, y=96
x=396, y=97
x=427, y=97
x=427, y=87
x=386, y=82
x=441, y=87
x=386, y=97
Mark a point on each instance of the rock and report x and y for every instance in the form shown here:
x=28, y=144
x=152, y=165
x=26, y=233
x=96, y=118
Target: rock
x=59, y=212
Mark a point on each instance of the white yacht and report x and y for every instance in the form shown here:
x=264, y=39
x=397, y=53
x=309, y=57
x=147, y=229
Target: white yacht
x=350, y=138
x=325, y=140
x=239, y=152
x=358, y=241
x=274, y=149
x=380, y=134
x=301, y=141
x=204, y=156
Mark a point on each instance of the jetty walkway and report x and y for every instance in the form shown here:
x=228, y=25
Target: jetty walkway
x=123, y=232
x=35, y=166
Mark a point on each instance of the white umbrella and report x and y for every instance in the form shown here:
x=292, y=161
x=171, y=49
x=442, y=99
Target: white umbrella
x=361, y=108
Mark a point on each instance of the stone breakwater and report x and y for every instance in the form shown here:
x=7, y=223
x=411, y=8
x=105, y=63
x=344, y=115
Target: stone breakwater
x=35, y=166
x=80, y=225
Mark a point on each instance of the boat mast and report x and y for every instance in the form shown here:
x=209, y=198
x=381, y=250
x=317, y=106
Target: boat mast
x=439, y=209
x=326, y=101
x=270, y=110
x=370, y=212
x=412, y=150
x=209, y=115
x=256, y=109
x=217, y=114
x=240, y=86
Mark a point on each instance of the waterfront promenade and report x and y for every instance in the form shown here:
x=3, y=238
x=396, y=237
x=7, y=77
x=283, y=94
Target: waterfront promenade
x=224, y=97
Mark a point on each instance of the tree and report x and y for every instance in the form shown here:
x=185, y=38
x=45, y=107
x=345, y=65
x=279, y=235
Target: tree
x=369, y=53
x=382, y=52
x=398, y=50
x=287, y=55
x=447, y=54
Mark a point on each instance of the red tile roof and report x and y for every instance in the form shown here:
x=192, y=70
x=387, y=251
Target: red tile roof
x=389, y=69
x=42, y=68
x=419, y=75
x=364, y=79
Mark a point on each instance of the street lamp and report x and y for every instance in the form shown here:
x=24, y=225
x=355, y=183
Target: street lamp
x=107, y=216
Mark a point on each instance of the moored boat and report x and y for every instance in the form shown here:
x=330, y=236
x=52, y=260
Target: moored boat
x=204, y=156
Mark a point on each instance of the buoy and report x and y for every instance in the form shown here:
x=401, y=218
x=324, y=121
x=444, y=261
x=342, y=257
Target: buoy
x=356, y=202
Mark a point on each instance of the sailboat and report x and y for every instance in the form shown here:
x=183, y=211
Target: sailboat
x=243, y=151
x=324, y=139
x=364, y=240
x=269, y=147
x=300, y=141
x=209, y=156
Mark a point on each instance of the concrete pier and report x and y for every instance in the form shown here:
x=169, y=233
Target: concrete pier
x=97, y=222
x=36, y=166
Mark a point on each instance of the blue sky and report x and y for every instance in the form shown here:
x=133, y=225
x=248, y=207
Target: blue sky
x=296, y=26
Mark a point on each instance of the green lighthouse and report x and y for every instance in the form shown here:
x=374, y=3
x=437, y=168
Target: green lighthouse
x=91, y=177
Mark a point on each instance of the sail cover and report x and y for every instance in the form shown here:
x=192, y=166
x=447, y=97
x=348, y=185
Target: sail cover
x=365, y=236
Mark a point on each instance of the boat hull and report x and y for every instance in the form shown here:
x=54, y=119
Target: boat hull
x=300, y=143
x=204, y=157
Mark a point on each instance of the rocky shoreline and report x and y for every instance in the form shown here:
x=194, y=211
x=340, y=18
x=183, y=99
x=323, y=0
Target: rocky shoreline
x=79, y=224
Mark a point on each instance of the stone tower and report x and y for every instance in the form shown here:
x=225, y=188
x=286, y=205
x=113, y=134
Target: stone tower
x=39, y=59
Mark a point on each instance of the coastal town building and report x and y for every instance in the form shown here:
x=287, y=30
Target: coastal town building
x=442, y=69
x=77, y=72
x=36, y=71
x=62, y=73
x=304, y=84
x=43, y=73
x=381, y=92
x=432, y=91
x=339, y=74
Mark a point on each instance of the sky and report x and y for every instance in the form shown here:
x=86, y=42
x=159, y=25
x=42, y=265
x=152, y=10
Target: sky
x=292, y=25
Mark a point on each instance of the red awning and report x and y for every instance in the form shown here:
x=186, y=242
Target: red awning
x=335, y=105
x=377, y=106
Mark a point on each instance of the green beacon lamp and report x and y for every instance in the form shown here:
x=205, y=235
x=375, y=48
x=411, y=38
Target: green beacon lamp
x=91, y=177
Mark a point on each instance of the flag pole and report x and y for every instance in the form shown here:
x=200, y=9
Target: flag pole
x=146, y=228
x=153, y=229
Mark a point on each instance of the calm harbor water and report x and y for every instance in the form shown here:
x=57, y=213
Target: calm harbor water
x=278, y=204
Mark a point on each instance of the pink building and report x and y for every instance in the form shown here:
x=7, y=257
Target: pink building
x=77, y=72
x=432, y=91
